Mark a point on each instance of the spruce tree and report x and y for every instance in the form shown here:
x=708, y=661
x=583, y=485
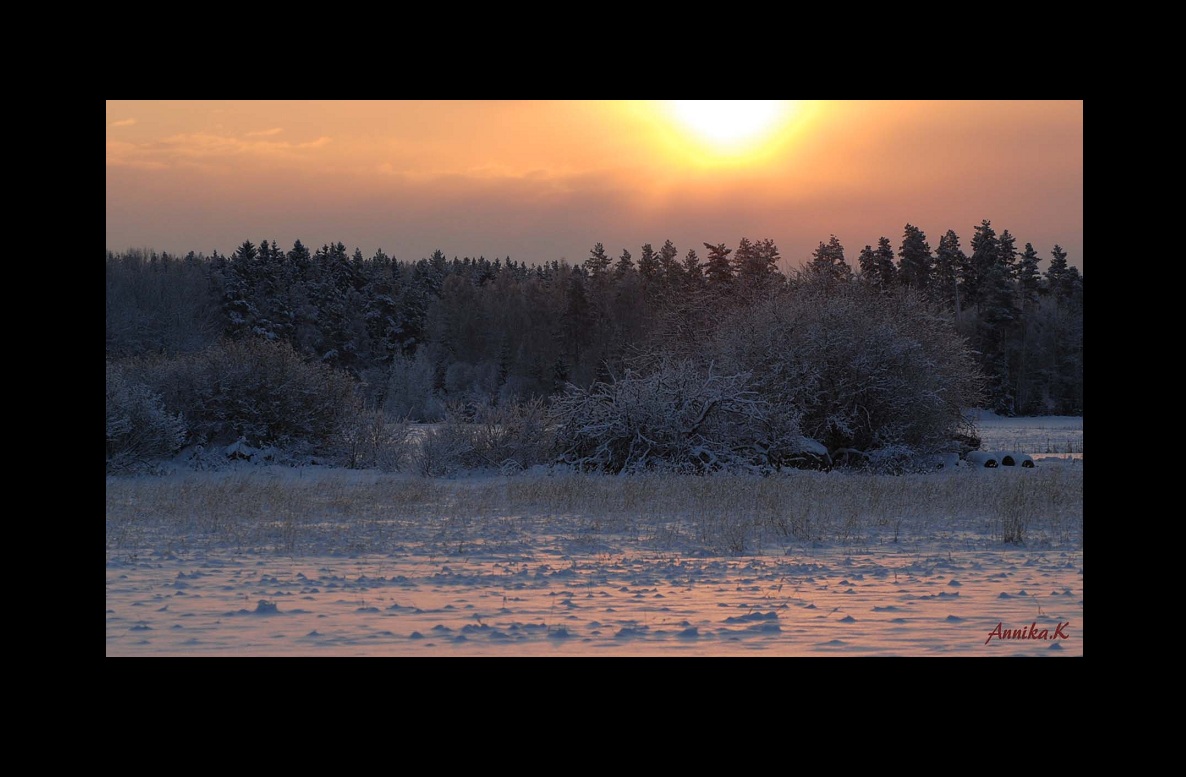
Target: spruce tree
x=950, y=262
x=1029, y=279
x=986, y=256
x=916, y=264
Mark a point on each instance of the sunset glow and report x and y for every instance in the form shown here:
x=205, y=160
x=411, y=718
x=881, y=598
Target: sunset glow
x=541, y=180
x=732, y=127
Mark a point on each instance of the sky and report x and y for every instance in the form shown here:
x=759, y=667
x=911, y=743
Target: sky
x=544, y=180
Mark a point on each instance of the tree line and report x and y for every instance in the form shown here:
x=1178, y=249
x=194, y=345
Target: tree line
x=416, y=339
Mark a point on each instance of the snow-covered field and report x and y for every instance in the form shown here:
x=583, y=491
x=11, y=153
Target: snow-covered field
x=1057, y=436
x=271, y=561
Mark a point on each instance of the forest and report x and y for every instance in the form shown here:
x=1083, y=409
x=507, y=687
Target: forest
x=698, y=360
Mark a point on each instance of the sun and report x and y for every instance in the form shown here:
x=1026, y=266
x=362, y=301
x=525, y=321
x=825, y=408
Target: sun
x=731, y=128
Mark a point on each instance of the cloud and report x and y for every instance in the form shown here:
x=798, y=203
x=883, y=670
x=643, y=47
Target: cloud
x=122, y=123
x=260, y=133
x=188, y=149
x=123, y=154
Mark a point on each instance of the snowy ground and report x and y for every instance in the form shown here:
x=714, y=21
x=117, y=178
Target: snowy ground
x=266, y=561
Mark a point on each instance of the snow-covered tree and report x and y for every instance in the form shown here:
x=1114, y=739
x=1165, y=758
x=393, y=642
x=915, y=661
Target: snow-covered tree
x=867, y=373
x=673, y=415
x=139, y=427
x=260, y=391
x=411, y=391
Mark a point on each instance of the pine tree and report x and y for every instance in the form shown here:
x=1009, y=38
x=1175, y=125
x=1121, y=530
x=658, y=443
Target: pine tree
x=743, y=261
x=625, y=264
x=669, y=267
x=768, y=257
x=598, y=261
x=718, y=270
x=877, y=265
x=648, y=267
x=693, y=271
x=828, y=260
x=756, y=266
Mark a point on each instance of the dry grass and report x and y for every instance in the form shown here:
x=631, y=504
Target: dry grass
x=1022, y=434
x=347, y=512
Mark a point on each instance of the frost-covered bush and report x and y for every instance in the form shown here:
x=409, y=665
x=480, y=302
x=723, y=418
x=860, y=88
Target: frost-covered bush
x=410, y=393
x=371, y=439
x=875, y=376
x=444, y=449
x=139, y=428
x=675, y=416
x=512, y=437
x=509, y=438
x=263, y=392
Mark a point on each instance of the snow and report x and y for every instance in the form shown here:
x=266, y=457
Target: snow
x=262, y=560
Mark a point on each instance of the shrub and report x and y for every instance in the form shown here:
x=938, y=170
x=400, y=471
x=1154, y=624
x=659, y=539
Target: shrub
x=864, y=370
x=410, y=393
x=676, y=417
x=371, y=439
x=510, y=438
x=139, y=428
x=261, y=391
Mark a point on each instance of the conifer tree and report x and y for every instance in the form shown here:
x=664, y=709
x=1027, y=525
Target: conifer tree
x=693, y=271
x=1008, y=254
x=648, y=266
x=1029, y=279
x=877, y=265
x=950, y=264
x=598, y=261
x=718, y=270
x=916, y=264
x=669, y=267
x=828, y=260
x=625, y=264
x=1062, y=281
x=985, y=258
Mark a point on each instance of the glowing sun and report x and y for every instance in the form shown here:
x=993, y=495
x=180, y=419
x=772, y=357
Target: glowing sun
x=731, y=127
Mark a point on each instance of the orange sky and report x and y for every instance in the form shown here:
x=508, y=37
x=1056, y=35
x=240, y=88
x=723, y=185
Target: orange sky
x=544, y=180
